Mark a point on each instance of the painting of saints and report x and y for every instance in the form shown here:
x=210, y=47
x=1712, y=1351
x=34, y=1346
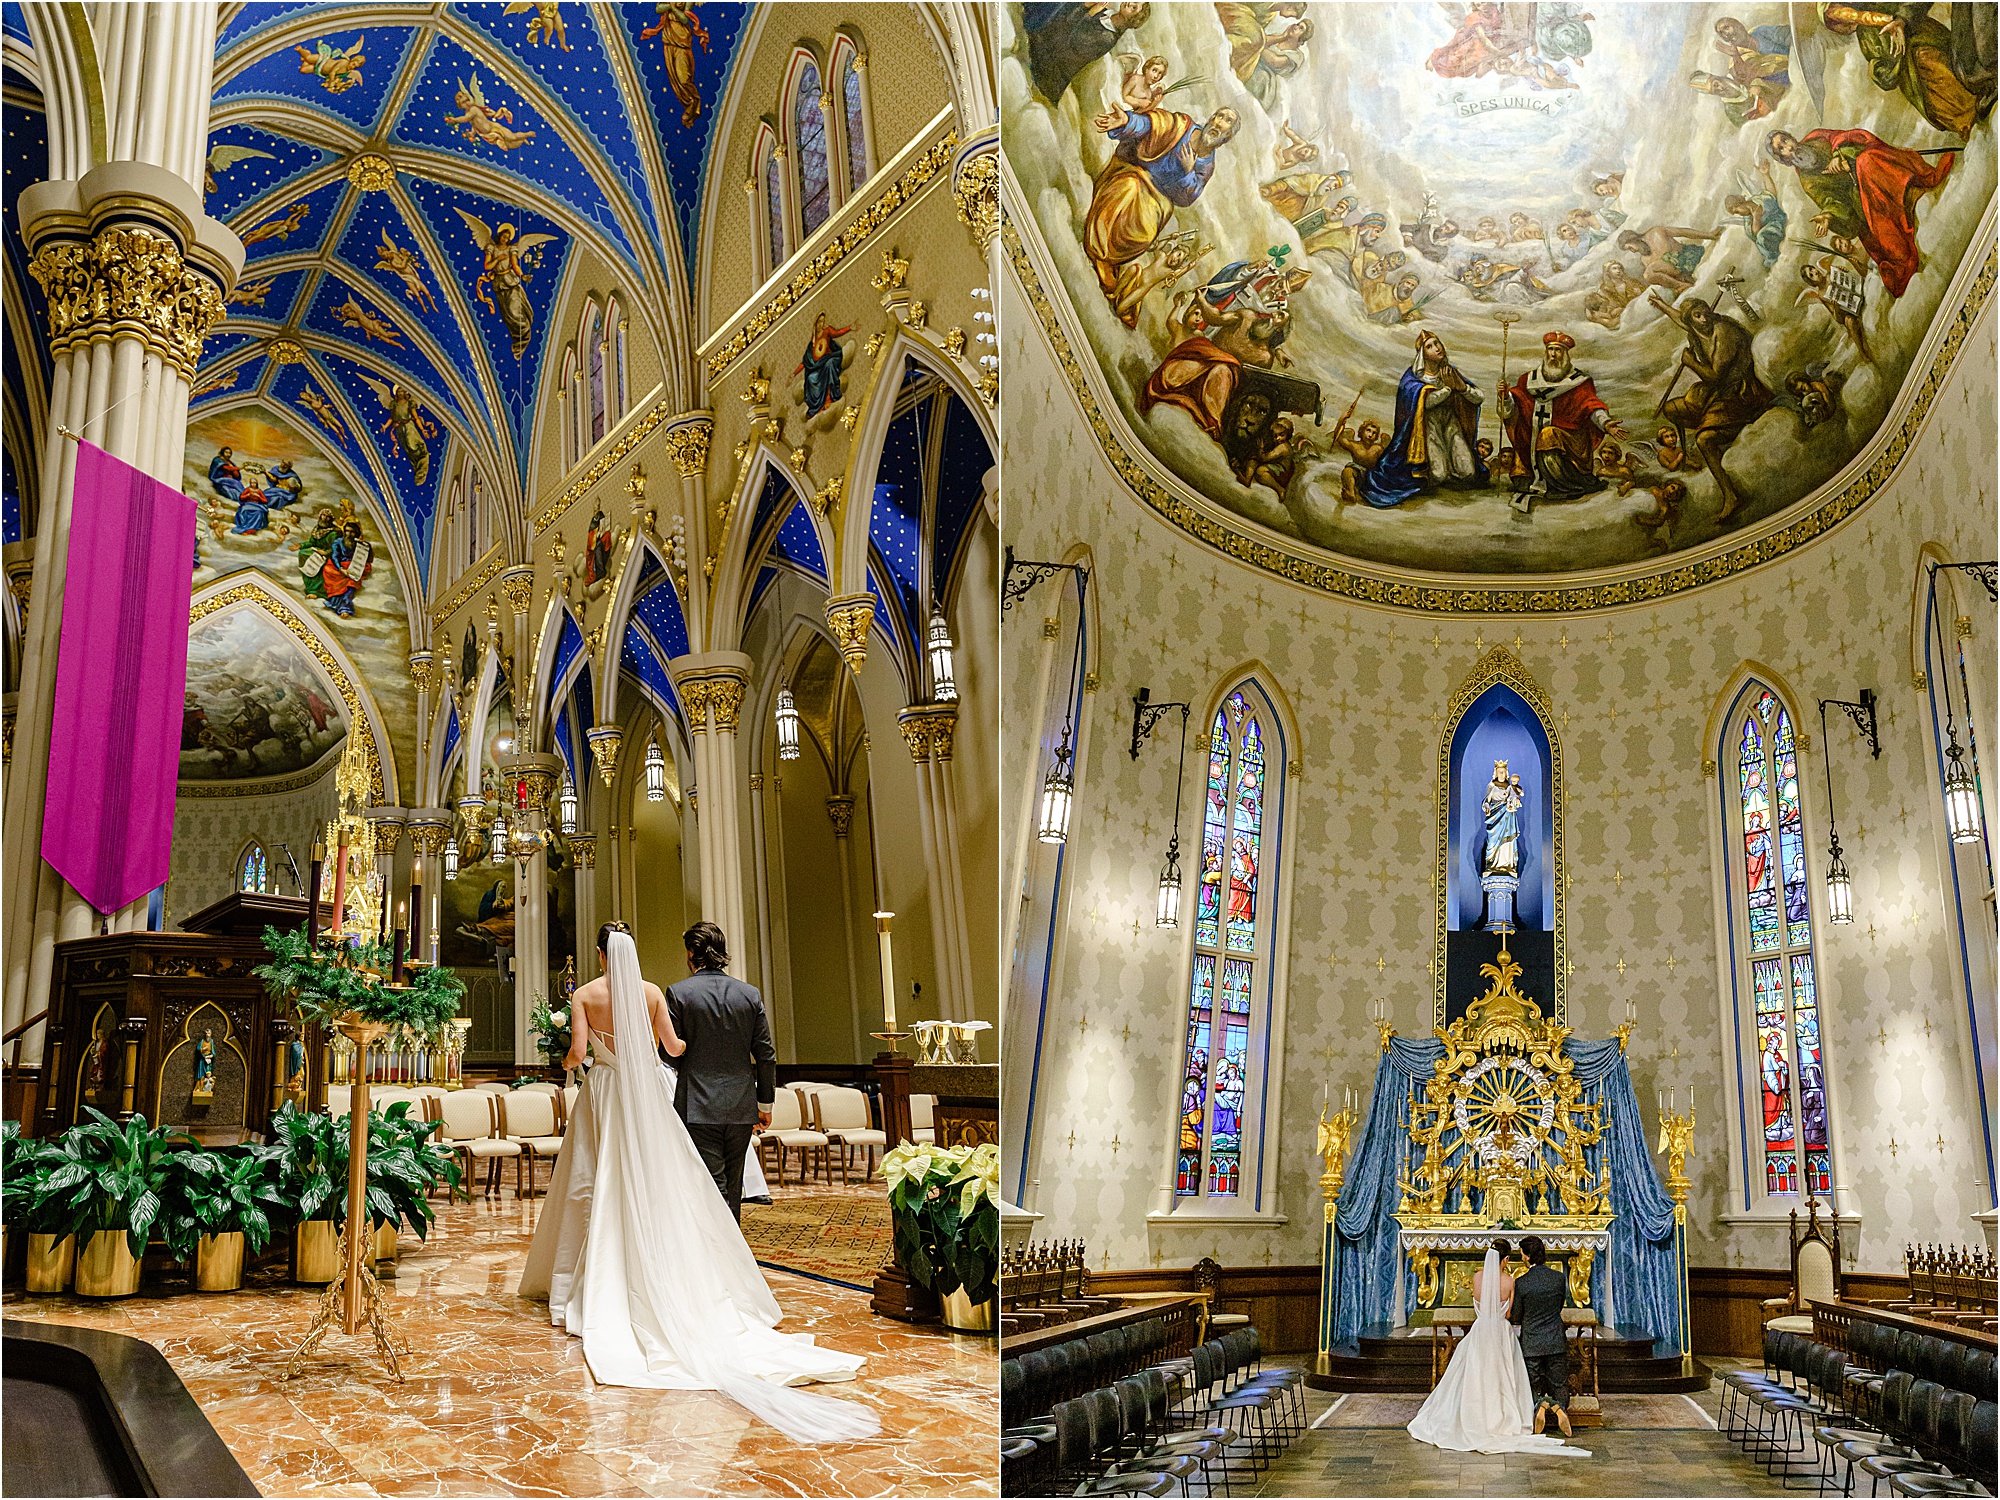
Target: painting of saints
x=597, y=551
x=822, y=366
x=406, y=422
x=678, y=29
x=1866, y=190
x=1437, y=421
x=1242, y=881
x=1552, y=411
x=333, y=560
x=1912, y=53
x=1258, y=56
x=1161, y=160
x=1066, y=37
x=1777, y=1091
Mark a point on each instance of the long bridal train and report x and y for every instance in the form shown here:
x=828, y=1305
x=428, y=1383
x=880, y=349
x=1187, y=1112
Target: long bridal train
x=638, y=1256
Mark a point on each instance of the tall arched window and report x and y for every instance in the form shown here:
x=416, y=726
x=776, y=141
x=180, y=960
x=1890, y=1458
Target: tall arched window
x=614, y=332
x=472, y=548
x=774, y=208
x=593, y=339
x=1786, y=1131
x=1231, y=984
x=567, y=415
x=253, y=873
x=809, y=138
x=853, y=124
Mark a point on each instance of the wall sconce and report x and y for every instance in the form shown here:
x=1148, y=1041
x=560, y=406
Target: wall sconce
x=1961, y=786
x=656, y=771
x=1839, y=886
x=1145, y=718
x=943, y=688
x=566, y=805
x=1013, y=590
x=788, y=725
x=1059, y=786
x=1058, y=791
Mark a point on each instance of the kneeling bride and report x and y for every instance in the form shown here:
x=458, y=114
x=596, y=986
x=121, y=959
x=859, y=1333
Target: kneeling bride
x=637, y=1251
x=1485, y=1403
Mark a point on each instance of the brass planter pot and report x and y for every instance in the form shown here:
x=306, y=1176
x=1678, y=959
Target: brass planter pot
x=385, y=1242
x=51, y=1261
x=315, y=1252
x=963, y=1315
x=218, y=1262
x=106, y=1267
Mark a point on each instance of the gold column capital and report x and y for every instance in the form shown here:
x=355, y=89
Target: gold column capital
x=849, y=616
x=518, y=584
x=976, y=190
x=688, y=439
x=928, y=729
x=131, y=280
x=583, y=848
x=840, y=812
x=604, y=742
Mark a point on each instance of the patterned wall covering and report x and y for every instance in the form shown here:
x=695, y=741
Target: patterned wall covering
x=210, y=833
x=1631, y=690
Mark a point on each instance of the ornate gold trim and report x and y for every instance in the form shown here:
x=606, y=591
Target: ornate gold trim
x=688, y=440
x=280, y=609
x=919, y=175
x=928, y=730
x=1498, y=665
x=977, y=191
x=1331, y=578
x=603, y=464
x=127, y=281
x=466, y=587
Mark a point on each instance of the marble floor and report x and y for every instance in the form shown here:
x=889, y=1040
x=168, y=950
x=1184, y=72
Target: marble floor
x=1387, y=1461
x=496, y=1402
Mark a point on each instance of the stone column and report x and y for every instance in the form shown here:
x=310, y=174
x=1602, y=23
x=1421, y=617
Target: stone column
x=429, y=828
x=760, y=884
x=929, y=729
x=388, y=825
x=135, y=274
x=422, y=676
x=840, y=812
x=583, y=849
x=710, y=685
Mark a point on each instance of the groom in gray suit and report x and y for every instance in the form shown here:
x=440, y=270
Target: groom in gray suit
x=1539, y=1294
x=729, y=1073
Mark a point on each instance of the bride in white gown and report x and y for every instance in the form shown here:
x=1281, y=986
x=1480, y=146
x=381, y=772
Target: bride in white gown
x=639, y=1257
x=1484, y=1403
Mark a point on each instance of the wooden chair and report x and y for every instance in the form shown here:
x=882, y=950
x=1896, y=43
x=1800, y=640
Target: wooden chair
x=528, y=1119
x=1815, y=1272
x=1217, y=1313
x=842, y=1117
x=789, y=1134
x=471, y=1128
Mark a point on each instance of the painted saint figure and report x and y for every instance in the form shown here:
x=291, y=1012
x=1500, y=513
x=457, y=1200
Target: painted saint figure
x=204, y=1066
x=1866, y=191
x=1555, y=422
x=1162, y=160
x=822, y=365
x=1067, y=36
x=679, y=30
x=333, y=560
x=407, y=422
x=1437, y=422
x=1726, y=395
x=1912, y=53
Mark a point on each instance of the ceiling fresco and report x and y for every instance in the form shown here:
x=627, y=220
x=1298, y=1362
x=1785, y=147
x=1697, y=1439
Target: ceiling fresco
x=1431, y=287
x=257, y=705
x=409, y=309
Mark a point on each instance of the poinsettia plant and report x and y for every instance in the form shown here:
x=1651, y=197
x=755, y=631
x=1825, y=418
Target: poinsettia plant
x=945, y=1203
x=332, y=977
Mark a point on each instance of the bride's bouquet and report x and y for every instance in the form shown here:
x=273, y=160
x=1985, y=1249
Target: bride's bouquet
x=551, y=1030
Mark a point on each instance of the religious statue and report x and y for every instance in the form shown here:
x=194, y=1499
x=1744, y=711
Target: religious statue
x=1500, y=852
x=204, y=1066
x=295, y=1069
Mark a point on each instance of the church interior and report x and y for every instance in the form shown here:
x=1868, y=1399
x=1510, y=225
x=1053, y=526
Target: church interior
x=570, y=433
x=1497, y=654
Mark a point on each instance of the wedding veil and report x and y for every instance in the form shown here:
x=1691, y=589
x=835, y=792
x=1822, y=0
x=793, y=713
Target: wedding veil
x=681, y=1292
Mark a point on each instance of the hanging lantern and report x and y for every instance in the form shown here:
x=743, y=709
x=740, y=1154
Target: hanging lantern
x=1057, y=787
x=1170, y=888
x=451, y=859
x=943, y=688
x=566, y=805
x=1961, y=795
x=656, y=772
x=788, y=726
x=496, y=847
x=1839, y=888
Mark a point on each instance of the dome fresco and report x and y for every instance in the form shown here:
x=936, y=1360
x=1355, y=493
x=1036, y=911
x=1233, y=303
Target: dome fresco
x=1430, y=288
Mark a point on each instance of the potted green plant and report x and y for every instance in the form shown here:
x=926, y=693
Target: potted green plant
x=46, y=1197
x=216, y=1205
x=330, y=979
x=551, y=1030
x=312, y=1183
x=403, y=1169
x=124, y=1167
x=945, y=1206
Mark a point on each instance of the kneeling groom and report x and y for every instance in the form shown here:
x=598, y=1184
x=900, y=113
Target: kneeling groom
x=1538, y=1305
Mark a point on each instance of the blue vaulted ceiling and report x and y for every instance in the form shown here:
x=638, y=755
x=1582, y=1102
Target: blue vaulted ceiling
x=490, y=117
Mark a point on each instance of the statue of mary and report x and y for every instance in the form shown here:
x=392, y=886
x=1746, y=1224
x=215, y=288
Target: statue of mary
x=1500, y=858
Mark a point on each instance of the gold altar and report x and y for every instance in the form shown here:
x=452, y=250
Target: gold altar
x=1495, y=1141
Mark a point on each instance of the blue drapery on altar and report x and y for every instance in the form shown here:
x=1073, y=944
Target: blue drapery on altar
x=1644, y=1267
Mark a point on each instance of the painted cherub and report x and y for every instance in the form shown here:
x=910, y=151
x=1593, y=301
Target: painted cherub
x=337, y=71
x=548, y=22
x=1668, y=499
x=1615, y=464
x=404, y=266
x=482, y=121
x=1145, y=81
x=1365, y=445
x=1667, y=452
x=324, y=411
x=1292, y=149
x=377, y=328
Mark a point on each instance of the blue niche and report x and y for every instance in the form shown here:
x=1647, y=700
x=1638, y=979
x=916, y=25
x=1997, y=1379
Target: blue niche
x=1500, y=725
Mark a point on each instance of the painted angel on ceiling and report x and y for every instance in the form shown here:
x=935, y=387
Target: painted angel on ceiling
x=337, y=71
x=407, y=422
x=547, y=25
x=404, y=265
x=483, y=121
x=679, y=29
x=323, y=411
x=510, y=258
x=222, y=157
x=366, y=320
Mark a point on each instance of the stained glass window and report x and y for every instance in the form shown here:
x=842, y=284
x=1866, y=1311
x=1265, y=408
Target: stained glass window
x=774, y=212
x=1231, y=932
x=595, y=335
x=809, y=131
x=855, y=126
x=255, y=870
x=1778, y=917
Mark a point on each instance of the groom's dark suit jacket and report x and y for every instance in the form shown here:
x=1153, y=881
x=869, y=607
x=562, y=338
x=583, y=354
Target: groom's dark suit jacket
x=1538, y=1308
x=729, y=1069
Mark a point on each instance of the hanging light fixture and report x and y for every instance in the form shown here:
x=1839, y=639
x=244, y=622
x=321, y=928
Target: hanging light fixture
x=566, y=805
x=1059, y=786
x=943, y=688
x=1146, y=715
x=1839, y=888
x=788, y=725
x=656, y=772
x=450, y=858
x=1169, y=914
x=496, y=840
x=1961, y=788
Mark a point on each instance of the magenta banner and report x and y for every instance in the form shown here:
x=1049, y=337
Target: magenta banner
x=114, y=745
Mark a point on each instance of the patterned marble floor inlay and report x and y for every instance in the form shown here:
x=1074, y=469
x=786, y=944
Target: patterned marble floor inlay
x=496, y=1402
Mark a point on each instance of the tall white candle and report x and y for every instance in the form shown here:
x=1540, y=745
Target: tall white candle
x=882, y=919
